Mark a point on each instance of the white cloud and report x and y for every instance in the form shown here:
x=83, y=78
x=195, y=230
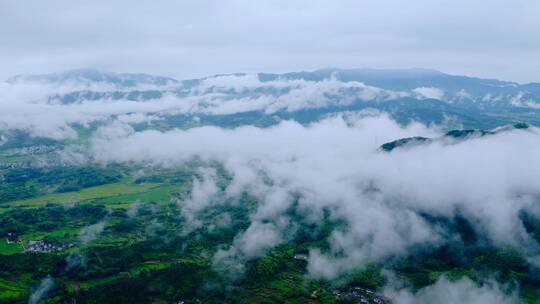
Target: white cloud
x=335, y=164
x=204, y=193
x=254, y=242
x=448, y=292
x=519, y=101
x=27, y=107
x=425, y=92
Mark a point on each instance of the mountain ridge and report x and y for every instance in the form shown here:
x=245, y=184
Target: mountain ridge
x=322, y=72
x=424, y=95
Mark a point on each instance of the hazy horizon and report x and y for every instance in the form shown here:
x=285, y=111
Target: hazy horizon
x=187, y=40
x=389, y=69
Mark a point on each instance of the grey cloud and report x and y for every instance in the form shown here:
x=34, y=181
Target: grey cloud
x=91, y=232
x=185, y=39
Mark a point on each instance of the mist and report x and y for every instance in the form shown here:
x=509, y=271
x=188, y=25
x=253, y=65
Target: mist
x=453, y=292
x=41, y=291
x=336, y=164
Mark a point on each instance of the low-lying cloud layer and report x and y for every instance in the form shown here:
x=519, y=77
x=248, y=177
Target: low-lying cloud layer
x=57, y=109
x=445, y=291
x=335, y=165
x=28, y=105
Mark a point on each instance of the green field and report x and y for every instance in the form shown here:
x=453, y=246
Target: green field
x=58, y=233
x=7, y=249
x=11, y=290
x=111, y=193
x=153, y=193
x=143, y=253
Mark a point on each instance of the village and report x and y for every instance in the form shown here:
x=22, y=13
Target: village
x=361, y=295
x=37, y=246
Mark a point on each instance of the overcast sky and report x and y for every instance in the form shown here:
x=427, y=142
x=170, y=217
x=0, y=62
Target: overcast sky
x=184, y=39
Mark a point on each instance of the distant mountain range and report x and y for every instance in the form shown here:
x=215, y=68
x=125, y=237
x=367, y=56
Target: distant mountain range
x=84, y=77
x=428, y=96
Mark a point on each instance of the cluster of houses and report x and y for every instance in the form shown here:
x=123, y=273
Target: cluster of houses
x=34, y=163
x=301, y=256
x=42, y=246
x=183, y=302
x=40, y=149
x=361, y=295
x=15, y=165
x=353, y=294
x=37, y=246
